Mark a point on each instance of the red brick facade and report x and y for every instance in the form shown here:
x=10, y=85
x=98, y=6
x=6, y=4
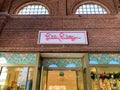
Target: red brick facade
x=20, y=33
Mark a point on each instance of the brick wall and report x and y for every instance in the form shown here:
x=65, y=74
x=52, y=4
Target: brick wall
x=20, y=33
x=3, y=21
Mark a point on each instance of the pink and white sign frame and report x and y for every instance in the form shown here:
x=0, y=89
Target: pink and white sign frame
x=62, y=37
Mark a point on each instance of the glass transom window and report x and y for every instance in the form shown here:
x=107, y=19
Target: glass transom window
x=33, y=9
x=90, y=8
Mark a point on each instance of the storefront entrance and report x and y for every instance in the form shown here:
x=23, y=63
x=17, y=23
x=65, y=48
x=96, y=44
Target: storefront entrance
x=63, y=80
x=59, y=71
x=63, y=73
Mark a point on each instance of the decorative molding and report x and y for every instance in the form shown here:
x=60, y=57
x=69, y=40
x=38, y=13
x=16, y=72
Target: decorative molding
x=104, y=58
x=10, y=58
x=62, y=63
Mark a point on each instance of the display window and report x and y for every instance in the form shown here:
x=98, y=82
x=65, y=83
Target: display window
x=18, y=71
x=105, y=71
x=16, y=78
x=105, y=78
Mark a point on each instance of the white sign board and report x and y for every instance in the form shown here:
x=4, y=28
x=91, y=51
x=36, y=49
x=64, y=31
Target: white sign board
x=62, y=37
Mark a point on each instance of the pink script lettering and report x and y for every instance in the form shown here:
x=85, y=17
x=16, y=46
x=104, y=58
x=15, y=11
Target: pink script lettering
x=61, y=36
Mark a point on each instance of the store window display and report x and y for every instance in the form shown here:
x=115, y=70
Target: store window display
x=105, y=78
x=105, y=72
x=17, y=71
x=16, y=78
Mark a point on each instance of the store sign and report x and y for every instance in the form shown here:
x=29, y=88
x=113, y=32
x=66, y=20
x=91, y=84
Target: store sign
x=62, y=37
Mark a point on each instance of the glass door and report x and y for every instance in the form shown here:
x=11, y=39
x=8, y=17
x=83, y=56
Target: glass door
x=68, y=79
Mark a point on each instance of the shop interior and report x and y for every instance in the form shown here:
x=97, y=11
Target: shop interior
x=16, y=78
x=105, y=77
